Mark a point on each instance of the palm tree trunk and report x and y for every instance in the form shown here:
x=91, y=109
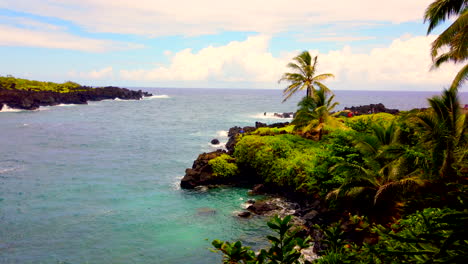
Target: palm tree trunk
x=309, y=91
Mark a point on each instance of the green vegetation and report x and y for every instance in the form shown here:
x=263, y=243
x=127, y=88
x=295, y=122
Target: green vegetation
x=401, y=178
x=12, y=83
x=285, y=247
x=224, y=166
x=303, y=76
x=397, y=183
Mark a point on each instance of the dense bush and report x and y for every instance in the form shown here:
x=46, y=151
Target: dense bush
x=224, y=166
x=297, y=163
x=12, y=83
x=363, y=123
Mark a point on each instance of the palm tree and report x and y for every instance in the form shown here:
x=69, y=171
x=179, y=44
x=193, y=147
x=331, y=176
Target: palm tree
x=455, y=37
x=303, y=76
x=314, y=112
x=383, y=176
x=444, y=129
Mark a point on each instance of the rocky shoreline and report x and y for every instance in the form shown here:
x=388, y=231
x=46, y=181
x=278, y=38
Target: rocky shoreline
x=32, y=100
x=308, y=211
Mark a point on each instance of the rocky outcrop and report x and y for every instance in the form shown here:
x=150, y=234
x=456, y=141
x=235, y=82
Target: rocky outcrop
x=31, y=100
x=215, y=141
x=371, y=109
x=285, y=115
x=201, y=172
x=234, y=131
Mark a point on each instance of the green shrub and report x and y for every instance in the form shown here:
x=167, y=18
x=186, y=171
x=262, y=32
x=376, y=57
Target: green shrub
x=285, y=247
x=363, y=123
x=224, y=166
x=11, y=83
x=267, y=131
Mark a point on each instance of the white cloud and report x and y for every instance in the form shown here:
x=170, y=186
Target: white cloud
x=56, y=39
x=236, y=61
x=405, y=61
x=188, y=17
x=334, y=39
x=94, y=74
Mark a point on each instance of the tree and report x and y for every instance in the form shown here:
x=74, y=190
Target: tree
x=303, y=77
x=444, y=130
x=455, y=37
x=314, y=112
x=382, y=177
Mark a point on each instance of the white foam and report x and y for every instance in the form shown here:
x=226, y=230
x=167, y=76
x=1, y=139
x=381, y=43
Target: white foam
x=118, y=99
x=7, y=109
x=269, y=116
x=161, y=96
x=67, y=105
x=218, y=146
x=7, y=170
x=222, y=133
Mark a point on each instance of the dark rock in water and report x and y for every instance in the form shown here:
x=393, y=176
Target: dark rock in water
x=251, y=201
x=278, y=125
x=244, y=214
x=260, y=124
x=201, y=172
x=215, y=141
x=1, y=106
x=371, y=109
x=284, y=115
x=262, y=207
x=258, y=189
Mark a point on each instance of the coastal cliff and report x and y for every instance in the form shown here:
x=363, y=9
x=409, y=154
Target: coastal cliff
x=31, y=100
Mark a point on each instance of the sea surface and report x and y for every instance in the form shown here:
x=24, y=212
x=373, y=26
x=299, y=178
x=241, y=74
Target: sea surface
x=99, y=183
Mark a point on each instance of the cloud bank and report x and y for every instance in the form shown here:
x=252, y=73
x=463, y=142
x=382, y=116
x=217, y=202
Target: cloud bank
x=406, y=61
x=190, y=18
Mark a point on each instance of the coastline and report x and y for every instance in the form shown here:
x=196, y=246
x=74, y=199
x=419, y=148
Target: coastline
x=32, y=100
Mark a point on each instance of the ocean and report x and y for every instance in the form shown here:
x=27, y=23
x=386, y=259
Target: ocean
x=99, y=183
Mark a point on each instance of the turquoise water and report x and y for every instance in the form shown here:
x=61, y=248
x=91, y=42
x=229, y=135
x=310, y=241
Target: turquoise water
x=98, y=183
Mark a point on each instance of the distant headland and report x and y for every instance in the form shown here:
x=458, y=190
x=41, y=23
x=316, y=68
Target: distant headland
x=30, y=95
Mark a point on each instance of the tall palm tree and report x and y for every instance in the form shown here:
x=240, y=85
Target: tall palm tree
x=315, y=111
x=455, y=37
x=303, y=77
x=444, y=129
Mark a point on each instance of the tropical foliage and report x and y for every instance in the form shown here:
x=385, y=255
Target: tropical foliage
x=12, y=83
x=444, y=130
x=224, y=166
x=314, y=113
x=285, y=247
x=303, y=76
x=452, y=44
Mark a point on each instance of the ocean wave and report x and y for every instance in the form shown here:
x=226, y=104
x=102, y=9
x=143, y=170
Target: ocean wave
x=221, y=145
x=222, y=133
x=161, y=96
x=7, y=109
x=268, y=116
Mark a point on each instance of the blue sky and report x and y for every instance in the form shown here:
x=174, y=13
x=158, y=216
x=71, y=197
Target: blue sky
x=367, y=44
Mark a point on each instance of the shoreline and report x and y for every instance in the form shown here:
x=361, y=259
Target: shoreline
x=32, y=100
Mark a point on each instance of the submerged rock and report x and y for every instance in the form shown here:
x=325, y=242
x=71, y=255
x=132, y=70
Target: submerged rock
x=244, y=214
x=206, y=211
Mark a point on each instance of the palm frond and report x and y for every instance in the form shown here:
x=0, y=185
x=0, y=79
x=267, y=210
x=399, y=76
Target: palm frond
x=460, y=78
x=440, y=10
x=394, y=189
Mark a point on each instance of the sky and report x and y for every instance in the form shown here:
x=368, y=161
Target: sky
x=366, y=44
